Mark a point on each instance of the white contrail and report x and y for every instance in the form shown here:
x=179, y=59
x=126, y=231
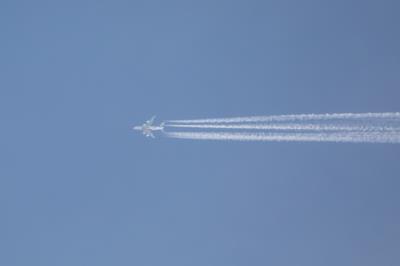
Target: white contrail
x=346, y=127
x=371, y=137
x=300, y=117
x=288, y=126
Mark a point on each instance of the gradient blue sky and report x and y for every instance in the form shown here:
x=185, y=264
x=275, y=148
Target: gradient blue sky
x=77, y=187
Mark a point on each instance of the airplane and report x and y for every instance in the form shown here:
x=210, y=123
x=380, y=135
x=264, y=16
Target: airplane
x=147, y=128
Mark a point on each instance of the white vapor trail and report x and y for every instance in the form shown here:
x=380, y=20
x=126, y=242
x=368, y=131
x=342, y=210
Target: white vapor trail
x=372, y=137
x=299, y=117
x=282, y=126
x=347, y=127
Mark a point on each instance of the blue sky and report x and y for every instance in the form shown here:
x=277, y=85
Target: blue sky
x=77, y=187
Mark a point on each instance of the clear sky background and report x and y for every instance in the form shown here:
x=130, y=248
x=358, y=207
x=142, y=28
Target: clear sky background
x=78, y=187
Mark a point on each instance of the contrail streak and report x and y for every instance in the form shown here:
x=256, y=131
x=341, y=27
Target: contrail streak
x=294, y=118
x=346, y=127
x=294, y=127
x=371, y=137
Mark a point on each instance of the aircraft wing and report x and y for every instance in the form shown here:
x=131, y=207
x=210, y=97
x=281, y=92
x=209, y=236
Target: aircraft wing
x=151, y=120
x=150, y=134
